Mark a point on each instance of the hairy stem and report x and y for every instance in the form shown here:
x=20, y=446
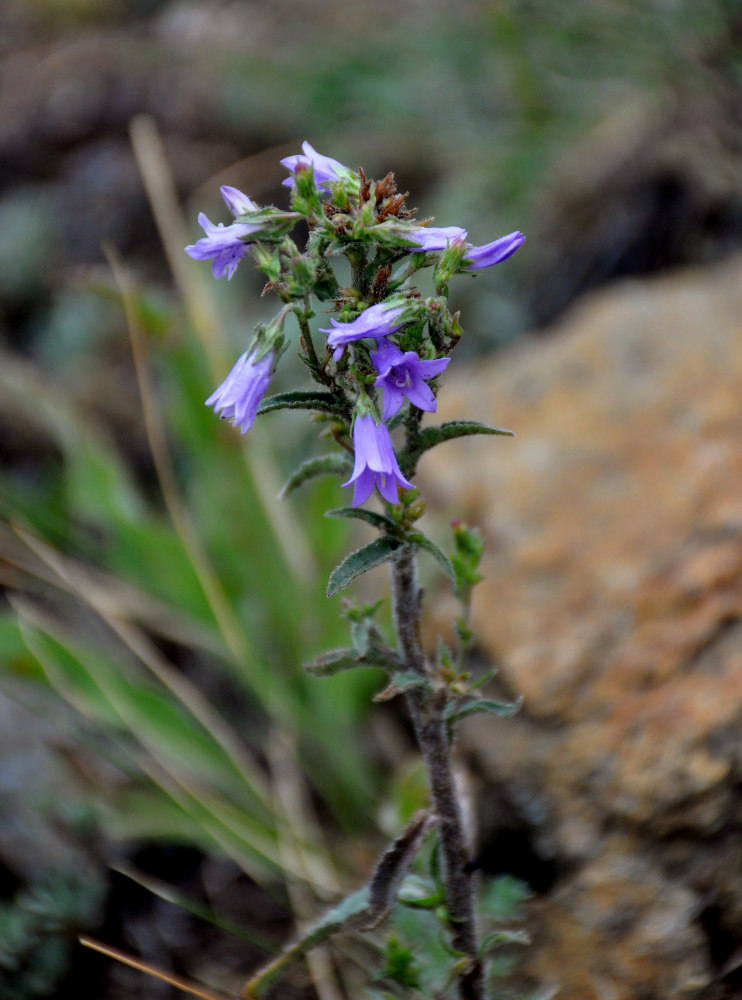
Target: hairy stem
x=428, y=716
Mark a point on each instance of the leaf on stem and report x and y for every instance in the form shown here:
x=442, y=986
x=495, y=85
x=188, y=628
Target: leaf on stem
x=327, y=402
x=423, y=542
x=503, y=709
x=496, y=939
x=381, y=550
x=399, y=683
x=336, y=660
x=333, y=464
x=379, y=521
x=393, y=865
x=431, y=436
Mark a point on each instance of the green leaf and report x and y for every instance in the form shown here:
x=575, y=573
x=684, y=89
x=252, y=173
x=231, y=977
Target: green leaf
x=392, y=867
x=496, y=939
x=334, y=464
x=314, y=399
x=336, y=660
x=401, y=682
x=431, y=436
x=369, y=516
x=381, y=550
x=501, y=708
x=348, y=913
x=423, y=542
x=421, y=894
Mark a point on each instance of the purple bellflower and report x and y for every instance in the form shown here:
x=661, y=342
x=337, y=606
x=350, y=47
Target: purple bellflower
x=375, y=464
x=326, y=169
x=238, y=397
x=404, y=374
x=436, y=238
x=430, y=238
x=493, y=253
x=225, y=245
x=376, y=321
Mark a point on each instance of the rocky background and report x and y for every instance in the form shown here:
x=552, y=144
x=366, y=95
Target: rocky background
x=612, y=136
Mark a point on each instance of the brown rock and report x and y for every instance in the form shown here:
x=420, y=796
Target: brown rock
x=613, y=603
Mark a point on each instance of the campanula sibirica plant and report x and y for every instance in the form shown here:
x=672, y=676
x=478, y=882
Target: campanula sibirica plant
x=376, y=356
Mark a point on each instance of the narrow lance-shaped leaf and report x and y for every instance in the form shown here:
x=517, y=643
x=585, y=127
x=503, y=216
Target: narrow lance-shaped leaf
x=400, y=682
x=393, y=865
x=361, y=514
x=349, y=913
x=327, y=402
x=484, y=705
x=381, y=550
x=448, y=431
x=336, y=660
x=334, y=464
x=423, y=542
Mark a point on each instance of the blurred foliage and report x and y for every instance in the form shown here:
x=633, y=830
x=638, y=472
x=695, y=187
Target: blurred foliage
x=121, y=603
x=39, y=929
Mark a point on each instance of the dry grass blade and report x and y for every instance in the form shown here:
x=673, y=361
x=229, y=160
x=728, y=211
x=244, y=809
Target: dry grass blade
x=292, y=806
x=234, y=636
x=20, y=570
x=203, y=316
x=177, y=981
x=175, y=681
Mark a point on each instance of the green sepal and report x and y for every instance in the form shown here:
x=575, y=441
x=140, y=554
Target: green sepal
x=315, y=399
x=423, y=542
x=336, y=660
x=448, y=431
x=370, y=516
x=503, y=709
x=333, y=464
x=379, y=551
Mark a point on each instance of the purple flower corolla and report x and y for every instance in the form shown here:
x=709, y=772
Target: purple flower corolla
x=493, y=253
x=225, y=245
x=238, y=397
x=432, y=238
x=326, y=169
x=237, y=202
x=375, y=464
x=376, y=321
x=403, y=374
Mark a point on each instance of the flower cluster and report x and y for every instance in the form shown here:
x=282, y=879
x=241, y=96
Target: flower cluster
x=388, y=346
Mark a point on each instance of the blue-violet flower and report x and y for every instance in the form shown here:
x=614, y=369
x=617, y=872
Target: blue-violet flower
x=375, y=464
x=404, y=374
x=326, y=169
x=225, y=244
x=376, y=321
x=436, y=238
x=238, y=397
x=493, y=253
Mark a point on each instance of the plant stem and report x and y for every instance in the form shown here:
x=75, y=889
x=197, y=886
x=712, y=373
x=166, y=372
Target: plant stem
x=428, y=716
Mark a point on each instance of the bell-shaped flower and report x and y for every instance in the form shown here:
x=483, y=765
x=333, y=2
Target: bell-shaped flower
x=429, y=238
x=375, y=462
x=432, y=238
x=402, y=375
x=225, y=245
x=238, y=397
x=492, y=253
x=326, y=170
x=375, y=322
